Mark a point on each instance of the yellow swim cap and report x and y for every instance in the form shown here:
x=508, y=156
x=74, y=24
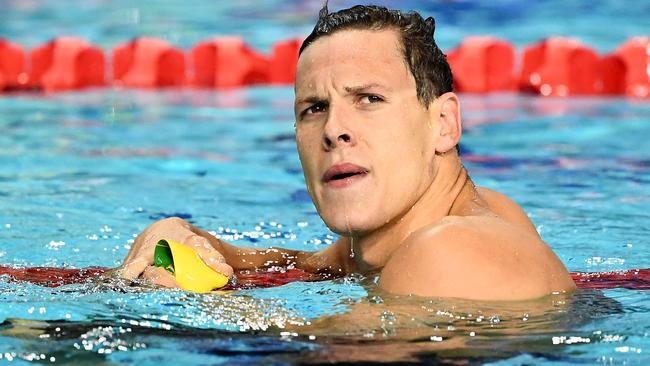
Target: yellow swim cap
x=191, y=273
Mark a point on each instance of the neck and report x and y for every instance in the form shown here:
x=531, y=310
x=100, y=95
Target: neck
x=447, y=194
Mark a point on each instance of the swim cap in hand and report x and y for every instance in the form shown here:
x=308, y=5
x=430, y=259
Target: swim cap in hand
x=190, y=271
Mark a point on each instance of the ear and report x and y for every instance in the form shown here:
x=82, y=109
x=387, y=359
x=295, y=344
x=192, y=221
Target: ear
x=447, y=114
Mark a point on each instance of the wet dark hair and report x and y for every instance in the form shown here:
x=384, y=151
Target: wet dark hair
x=425, y=60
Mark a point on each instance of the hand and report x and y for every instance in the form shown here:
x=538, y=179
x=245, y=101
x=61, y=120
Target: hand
x=139, y=261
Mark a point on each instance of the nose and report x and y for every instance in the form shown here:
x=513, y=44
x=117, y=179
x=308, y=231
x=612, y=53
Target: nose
x=336, y=134
x=331, y=143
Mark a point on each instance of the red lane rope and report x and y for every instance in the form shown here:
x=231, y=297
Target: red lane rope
x=554, y=66
x=633, y=279
x=51, y=276
x=55, y=277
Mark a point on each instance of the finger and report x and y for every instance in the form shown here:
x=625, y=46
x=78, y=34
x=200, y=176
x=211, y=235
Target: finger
x=139, y=243
x=209, y=254
x=160, y=276
x=142, y=250
x=133, y=268
x=223, y=268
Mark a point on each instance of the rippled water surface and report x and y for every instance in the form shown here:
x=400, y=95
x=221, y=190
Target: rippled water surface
x=83, y=172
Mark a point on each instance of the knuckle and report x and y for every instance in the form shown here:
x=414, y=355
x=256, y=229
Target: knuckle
x=148, y=272
x=176, y=220
x=197, y=241
x=169, y=221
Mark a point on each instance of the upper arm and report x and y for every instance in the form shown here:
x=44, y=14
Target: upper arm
x=331, y=259
x=439, y=265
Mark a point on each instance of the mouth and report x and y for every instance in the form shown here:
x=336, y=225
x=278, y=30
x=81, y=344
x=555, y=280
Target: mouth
x=340, y=175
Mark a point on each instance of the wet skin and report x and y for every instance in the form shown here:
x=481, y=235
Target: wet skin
x=384, y=174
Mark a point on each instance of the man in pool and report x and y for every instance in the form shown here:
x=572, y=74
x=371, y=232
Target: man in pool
x=377, y=128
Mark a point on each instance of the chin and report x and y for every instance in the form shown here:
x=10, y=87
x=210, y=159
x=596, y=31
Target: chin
x=350, y=225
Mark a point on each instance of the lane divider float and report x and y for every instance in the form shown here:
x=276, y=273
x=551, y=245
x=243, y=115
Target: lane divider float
x=12, y=65
x=226, y=62
x=147, y=62
x=66, y=63
x=560, y=66
x=555, y=66
x=483, y=64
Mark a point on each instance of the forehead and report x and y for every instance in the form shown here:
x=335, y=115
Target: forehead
x=353, y=56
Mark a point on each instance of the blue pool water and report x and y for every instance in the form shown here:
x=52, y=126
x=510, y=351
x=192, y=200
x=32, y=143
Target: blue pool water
x=83, y=172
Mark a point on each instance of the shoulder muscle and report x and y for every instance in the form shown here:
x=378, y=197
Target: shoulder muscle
x=506, y=208
x=481, y=258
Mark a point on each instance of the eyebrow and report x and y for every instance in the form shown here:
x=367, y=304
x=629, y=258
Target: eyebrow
x=313, y=99
x=364, y=87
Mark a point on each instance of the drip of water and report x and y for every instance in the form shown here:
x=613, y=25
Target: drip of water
x=347, y=225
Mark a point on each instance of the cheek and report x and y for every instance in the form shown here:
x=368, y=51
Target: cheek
x=308, y=153
x=305, y=144
x=399, y=150
x=404, y=162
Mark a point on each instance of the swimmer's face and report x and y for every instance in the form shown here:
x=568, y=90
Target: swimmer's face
x=365, y=141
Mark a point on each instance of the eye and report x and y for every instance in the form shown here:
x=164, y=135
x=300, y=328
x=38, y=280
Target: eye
x=370, y=99
x=319, y=107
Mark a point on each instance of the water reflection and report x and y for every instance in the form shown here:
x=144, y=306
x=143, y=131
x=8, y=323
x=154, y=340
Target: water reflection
x=385, y=327
x=364, y=324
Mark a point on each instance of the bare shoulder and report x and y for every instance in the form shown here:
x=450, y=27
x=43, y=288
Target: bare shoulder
x=475, y=257
x=506, y=208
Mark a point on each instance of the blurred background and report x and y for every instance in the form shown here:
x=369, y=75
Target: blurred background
x=601, y=24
